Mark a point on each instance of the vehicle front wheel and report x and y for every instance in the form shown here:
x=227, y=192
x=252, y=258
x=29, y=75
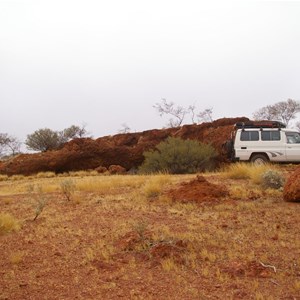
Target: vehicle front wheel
x=259, y=159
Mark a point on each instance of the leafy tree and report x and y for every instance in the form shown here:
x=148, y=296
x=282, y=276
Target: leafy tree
x=9, y=145
x=43, y=140
x=283, y=111
x=46, y=139
x=178, y=156
x=74, y=132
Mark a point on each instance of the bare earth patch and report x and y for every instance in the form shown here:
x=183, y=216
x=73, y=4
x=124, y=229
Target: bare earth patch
x=110, y=241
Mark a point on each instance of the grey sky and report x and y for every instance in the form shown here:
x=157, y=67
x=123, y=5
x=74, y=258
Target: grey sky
x=105, y=63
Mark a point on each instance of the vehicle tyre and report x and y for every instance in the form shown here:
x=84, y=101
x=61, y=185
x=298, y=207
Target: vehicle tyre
x=259, y=159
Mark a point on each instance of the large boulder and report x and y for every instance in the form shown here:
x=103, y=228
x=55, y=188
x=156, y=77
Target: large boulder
x=291, y=192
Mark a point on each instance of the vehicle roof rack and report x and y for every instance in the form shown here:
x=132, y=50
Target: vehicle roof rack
x=259, y=124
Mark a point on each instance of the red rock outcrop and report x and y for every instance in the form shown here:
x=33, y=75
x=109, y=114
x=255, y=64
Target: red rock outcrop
x=125, y=150
x=291, y=192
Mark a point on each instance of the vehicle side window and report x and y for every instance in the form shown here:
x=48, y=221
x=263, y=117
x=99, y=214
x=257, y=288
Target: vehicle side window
x=270, y=135
x=293, y=137
x=249, y=136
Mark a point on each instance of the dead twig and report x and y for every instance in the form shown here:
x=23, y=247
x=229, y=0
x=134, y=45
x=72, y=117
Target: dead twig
x=268, y=266
x=274, y=282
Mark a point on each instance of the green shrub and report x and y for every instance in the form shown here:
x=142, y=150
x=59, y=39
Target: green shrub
x=272, y=179
x=178, y=156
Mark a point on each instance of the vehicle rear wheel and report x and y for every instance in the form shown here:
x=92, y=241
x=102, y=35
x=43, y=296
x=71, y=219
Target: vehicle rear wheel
x=259, y=159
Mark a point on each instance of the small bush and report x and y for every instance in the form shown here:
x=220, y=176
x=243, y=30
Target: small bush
x=272, y=179
x=39, y=207
x=68, y=188
x=178, y=156
x=8, y=223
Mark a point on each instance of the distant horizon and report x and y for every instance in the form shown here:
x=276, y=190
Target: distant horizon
x=106, y=64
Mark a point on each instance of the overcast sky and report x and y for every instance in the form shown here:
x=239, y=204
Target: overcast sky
x=105, y=63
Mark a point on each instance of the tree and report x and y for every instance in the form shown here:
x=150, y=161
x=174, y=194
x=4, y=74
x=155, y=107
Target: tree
x=73, y=132
x=169, y=108
x=205, y=115
x=178, y=156
x=9, y=145
x=283, y=111
x=125, y=128
x=179, y=113
x=43, y=140
x=47, y=139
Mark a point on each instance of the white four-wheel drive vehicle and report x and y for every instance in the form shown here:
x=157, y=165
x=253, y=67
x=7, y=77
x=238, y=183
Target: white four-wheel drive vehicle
x=264, y=141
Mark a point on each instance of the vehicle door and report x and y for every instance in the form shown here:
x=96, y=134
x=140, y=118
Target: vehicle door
x=273, y=144
x=292, y=146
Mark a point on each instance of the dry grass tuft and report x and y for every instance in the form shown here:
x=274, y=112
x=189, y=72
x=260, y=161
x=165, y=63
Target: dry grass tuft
x=155, y=185
x=83, y=173
x=17, y=177
x=68, y=187
x=16, y=257
x=3, y=177
x=8, y=223
x=237, y=171
x=45, y=175
x=247, y=171
x=168, y=264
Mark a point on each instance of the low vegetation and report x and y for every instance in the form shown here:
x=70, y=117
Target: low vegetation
x=178, y=156
x=266, y=175
x=131, y=241
x=8, y=223
x=272, y=179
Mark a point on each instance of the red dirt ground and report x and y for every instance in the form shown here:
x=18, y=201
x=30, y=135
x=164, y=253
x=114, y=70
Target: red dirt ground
x=119, y=245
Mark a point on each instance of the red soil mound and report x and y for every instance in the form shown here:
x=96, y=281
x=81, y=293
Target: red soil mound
x=125, y=150
x=198, y=190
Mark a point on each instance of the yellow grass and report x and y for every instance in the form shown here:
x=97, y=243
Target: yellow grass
x=45, y=175
x=3, y=177
x=17, y=177
x=169, y=265
x=16, y=257
x=247, y=171
x=8, y=223
x=217, y=235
